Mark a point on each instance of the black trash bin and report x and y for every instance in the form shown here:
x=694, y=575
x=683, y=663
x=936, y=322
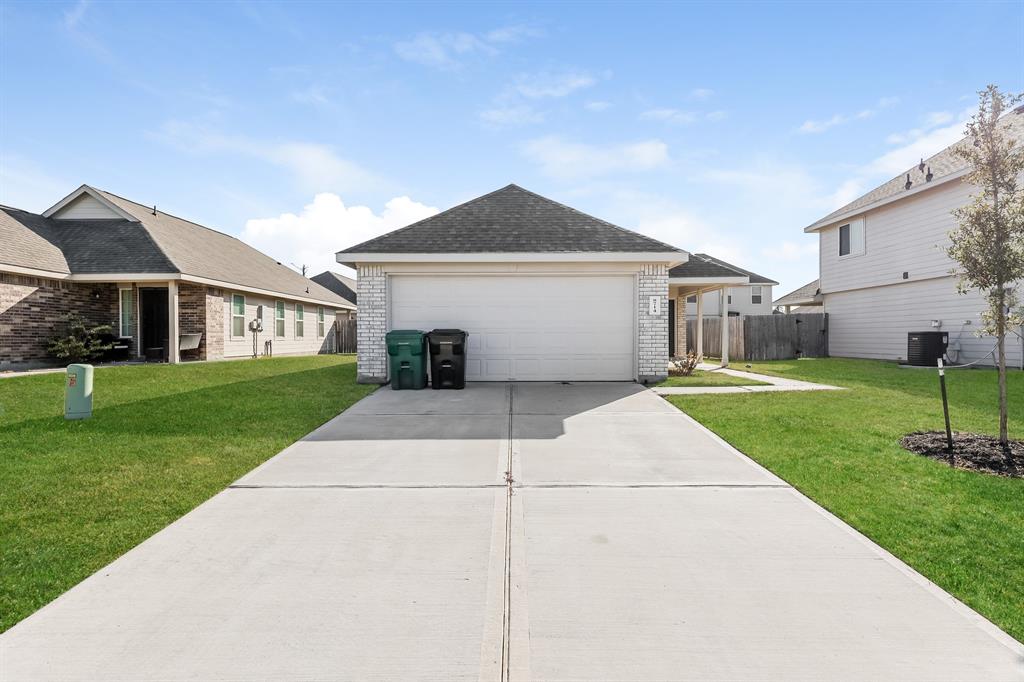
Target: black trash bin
x=447, y=358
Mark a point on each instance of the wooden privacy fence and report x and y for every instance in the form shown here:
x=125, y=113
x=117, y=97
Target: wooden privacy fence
x=345, y=336
x=764, y=337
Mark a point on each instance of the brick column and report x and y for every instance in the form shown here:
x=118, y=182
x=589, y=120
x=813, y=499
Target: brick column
x=652, y=329
x=680, y=349
x=371, y=325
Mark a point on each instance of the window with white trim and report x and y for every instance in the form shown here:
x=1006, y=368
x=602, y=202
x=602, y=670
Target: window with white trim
x=755, y=295
x=237, y=315
x=851, y=239
x=320, y=320
x=126, y=304
x=299, y=321
x=279, y=319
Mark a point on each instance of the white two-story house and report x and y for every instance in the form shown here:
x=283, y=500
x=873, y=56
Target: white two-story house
x=754, y=298
x=885, y=271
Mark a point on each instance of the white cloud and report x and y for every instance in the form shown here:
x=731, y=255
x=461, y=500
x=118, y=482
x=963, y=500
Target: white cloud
x=447, y=50
x=812, y=126
x=939, y=130
x=718, y=115
x=701, y=94
x=315, y=167
x=790, y=251
x=25, y=185
x=597, y=105
x=564, y=160
x=327, y=225
x=513, y=34
x=314, y=94
x=441, y=50
x=674, y=116
x=545, y=84
x=502, y=117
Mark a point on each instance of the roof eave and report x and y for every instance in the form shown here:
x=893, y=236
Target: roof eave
x=670, y=258
x=828, y=222
x=709, y=280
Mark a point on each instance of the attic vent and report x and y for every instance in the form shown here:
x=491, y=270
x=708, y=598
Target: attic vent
x=928, y=178
x=908, y=184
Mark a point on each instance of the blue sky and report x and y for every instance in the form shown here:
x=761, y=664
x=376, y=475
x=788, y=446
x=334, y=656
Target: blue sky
x=305, y=128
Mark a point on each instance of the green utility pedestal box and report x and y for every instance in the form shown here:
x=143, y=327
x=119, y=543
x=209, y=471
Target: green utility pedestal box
x=407, y=358
x=78, y=392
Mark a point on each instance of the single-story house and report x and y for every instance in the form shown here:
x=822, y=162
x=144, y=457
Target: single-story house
x=806, y=299
x=546, y=292
x=155, y=278
x=341, y=285
x=752, y=298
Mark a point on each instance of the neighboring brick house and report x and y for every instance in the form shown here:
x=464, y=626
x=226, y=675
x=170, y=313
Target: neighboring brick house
x=546, y=293
x=152, y=277
x=341, y=285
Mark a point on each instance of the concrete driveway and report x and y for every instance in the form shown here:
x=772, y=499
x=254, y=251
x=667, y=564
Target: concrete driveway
x=527, y=531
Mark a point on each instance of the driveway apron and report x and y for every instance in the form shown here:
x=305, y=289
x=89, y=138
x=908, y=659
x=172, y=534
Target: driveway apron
x=508, y=532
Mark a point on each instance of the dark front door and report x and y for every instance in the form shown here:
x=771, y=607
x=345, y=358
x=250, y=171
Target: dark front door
x=153, y=303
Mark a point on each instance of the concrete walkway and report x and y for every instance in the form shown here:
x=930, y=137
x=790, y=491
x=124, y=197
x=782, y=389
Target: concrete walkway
x=508, y=532
x=775, y=384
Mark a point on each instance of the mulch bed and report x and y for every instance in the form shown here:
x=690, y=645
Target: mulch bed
x=970, y=451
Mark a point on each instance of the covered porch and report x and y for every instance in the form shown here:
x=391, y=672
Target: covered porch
x=692, y=280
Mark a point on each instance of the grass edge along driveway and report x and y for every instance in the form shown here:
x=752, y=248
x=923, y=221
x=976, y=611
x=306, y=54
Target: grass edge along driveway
x=960, y=529
x=74, y=496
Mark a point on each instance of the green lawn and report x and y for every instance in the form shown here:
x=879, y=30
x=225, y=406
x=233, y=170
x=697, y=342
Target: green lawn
x=75, y=495
x=704, y=378
x=963, y=530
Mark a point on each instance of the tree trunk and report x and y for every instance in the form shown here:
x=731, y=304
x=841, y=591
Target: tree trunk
x=1004, y=437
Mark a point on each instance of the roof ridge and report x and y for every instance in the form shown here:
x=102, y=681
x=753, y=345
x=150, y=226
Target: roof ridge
x=169, y=215
x=592, y=217
x=436, y=215
x=509, y=186
x=145, y=230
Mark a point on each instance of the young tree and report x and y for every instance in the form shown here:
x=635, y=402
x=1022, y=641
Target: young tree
x=988, y=243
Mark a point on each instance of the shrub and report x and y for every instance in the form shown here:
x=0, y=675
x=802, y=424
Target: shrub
x=80, y=341
x=682, y=366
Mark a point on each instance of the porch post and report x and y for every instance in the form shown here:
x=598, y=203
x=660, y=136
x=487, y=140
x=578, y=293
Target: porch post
x=724, y=308
x=700, y=326
x=173, y=356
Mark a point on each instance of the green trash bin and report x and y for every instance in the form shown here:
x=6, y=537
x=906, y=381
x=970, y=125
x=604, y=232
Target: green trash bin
x=407, y=358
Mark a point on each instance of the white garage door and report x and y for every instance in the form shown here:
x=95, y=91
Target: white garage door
x=527, y=328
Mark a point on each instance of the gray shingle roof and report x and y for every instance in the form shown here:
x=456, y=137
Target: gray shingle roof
x=202, y=252
x=29, y=241
x=942, y=165
x=808, y=294
x=159, y=243
x=511, y=220
x=339, y=284
x=703, y=265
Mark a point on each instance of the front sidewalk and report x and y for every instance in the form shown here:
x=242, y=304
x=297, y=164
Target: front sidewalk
x=775, y=384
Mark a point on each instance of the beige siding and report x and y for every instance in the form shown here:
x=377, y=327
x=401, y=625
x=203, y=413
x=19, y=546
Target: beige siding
x=289, y=344
x=873, y=323
x=86, y=207
x=906, y=236
x=740, y=302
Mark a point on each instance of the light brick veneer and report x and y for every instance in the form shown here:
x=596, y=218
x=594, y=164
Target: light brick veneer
x=371, y=325
x=652, y=330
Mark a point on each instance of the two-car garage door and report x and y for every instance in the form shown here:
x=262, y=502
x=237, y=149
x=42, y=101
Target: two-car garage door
x=527, y=327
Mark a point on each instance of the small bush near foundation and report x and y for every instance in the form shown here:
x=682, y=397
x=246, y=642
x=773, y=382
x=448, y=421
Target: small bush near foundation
x=682, y=366
x=79, y=341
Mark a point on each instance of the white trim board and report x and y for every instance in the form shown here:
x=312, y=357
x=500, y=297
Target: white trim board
x=86, y=189
x=671, y=258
